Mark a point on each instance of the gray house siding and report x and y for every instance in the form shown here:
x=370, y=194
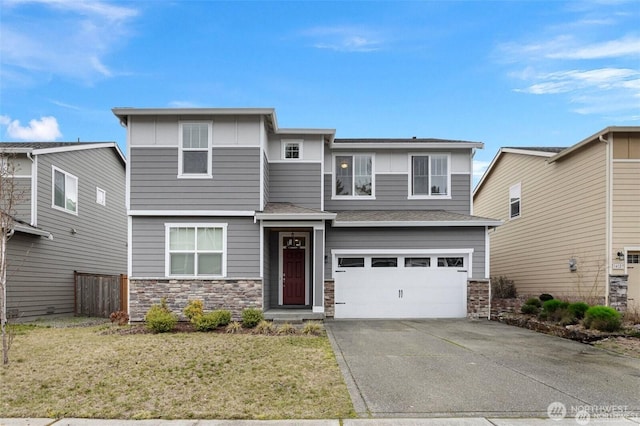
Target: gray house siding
x=407, y=239
x=392, y=190
x=297, y=183
x=265, y=178
x=41, y=279
x=148, y=245
x=155, y=186
x=22, y=191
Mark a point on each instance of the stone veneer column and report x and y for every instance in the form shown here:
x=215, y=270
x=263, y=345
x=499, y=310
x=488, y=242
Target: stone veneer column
x=478, y=298
x=618, y=285
x=329, y=299
x=234, y=295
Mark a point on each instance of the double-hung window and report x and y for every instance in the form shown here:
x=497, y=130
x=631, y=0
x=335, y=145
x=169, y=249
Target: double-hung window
x=195, y=149
x=514, y=201
x=196, y=250
x=430, y=175
x=354, y=175
x=65, y=191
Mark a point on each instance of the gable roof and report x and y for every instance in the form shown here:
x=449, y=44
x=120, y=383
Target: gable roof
x=36, y=148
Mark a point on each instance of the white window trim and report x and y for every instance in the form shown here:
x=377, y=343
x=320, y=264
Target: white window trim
x=410, y=176
x=167, y=254
x=284, y=143
x=517, y=187
x=207, y=175
x=333, y=177
x=55, y=169
x=104, y=196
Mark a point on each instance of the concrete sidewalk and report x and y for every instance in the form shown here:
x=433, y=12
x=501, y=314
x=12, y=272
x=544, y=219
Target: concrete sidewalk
x=452, y=421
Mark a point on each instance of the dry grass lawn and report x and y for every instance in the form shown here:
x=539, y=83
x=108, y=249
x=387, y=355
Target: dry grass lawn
x=83, y=372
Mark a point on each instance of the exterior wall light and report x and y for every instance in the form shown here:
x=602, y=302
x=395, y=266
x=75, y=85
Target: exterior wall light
x=573, y=265
x=620, y=255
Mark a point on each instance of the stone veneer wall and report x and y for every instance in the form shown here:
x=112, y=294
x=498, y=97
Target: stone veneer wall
x=329, y=306
x=234, y=295
x=478, y=298
x=618, y=285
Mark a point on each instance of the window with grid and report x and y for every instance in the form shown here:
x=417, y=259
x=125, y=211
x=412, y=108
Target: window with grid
x=354, y=175
x=196, y=250
x=65, y=191
x=195, y=149
x=514, y=201
x=429, y=175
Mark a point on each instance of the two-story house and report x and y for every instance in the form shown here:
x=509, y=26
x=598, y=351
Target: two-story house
x=572, y=217
x=70, y=216
x=226, y=206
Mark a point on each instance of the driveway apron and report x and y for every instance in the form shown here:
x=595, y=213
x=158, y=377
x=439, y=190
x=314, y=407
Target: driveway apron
x=433, y=368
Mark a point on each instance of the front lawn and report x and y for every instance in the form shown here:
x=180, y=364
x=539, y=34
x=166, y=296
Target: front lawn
x=85, y=372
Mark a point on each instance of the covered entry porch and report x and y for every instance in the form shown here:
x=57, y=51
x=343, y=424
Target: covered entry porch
x=292, y=251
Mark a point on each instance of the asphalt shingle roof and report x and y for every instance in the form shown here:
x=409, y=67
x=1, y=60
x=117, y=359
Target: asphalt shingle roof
x=406, y=216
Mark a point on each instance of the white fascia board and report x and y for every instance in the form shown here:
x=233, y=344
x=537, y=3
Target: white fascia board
x=16, y=150
x=410, y=145
x=529, y=152
x=292, y=131
x=82, y=147
x=248, y=213
x=295, y=217
x=31, y=230
x=294, y=224
x=367, y=252
x=377, y=224
x=124, y=111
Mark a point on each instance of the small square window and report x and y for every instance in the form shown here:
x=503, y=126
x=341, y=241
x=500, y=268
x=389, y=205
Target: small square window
x=292, y=149
x=101, y=197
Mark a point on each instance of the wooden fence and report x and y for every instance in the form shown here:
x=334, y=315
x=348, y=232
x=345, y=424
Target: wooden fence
x=99, y=295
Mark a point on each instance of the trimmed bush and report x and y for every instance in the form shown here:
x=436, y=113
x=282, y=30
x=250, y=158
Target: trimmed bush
x=193, y=310
x=533, y=301
x=550, y=306
x=503, y=288
x=578, y=309
x=602, y=318
x=251, y=317
x=529, y=309
x=212, y=320
x=224, y=316
x=545, y=296
x=160, y=319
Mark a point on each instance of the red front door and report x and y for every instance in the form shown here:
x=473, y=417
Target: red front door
x=293, y=278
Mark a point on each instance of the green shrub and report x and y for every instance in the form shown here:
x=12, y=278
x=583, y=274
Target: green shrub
x=212, y=320
x=533, y=301
x=160, y=319
x=224, y=316
x=251, y=317
x=543, y=316
x=602, y=318
x=564, y=317
x=578, y=309
x=545, y=296
x=503, y=288
x=529, y=309
x=193, y=310
x=550, y=306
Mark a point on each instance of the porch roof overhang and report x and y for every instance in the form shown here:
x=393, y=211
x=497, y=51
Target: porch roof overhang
x=25, y=228
x=289, y=211
x=404, y=218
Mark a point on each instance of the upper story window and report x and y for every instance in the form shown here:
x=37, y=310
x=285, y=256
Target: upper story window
x=514, y=201
x=291, y=150
x=195, y=149
x=65, y=191
x=101, y=196
x=354, y=175
x=430, y=175
x=196, y=250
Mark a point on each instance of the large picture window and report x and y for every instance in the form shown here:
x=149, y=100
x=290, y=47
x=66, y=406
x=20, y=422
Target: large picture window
x=429, y=175
x=65, y=191
x=196, y=250
x=354, y=175
x=195, y=150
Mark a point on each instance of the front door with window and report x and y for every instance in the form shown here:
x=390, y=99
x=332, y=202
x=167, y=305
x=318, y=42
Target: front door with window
x=293, y=276
x=633, y=289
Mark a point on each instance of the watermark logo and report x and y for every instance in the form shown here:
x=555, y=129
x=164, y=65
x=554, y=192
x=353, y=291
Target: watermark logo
x=556, y=411
x=583, y=417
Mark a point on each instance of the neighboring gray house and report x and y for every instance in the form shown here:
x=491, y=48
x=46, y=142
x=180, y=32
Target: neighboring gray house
x=71, y=217
x=227, y=207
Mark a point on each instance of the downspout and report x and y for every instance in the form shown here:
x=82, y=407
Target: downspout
x=608, y=204
x=34, y=189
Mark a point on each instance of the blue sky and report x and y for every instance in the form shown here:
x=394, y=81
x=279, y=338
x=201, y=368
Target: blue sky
x=506, y=73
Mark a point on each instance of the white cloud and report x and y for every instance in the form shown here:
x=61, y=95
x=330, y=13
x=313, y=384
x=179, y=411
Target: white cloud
x=72, y=39
x=345, y=39
x=573, y=80
x=479, y=167
x=43, y=130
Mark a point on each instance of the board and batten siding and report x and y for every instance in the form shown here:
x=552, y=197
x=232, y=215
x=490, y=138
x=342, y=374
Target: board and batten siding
x=625, y=206
x=563, y=212
x=41, y=279
x=148, y=245
x=408, y=239
x=155, y=184
x=297, y=183
x=392, y=192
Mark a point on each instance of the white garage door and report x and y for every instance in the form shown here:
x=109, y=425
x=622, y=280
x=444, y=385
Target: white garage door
x=401, y=286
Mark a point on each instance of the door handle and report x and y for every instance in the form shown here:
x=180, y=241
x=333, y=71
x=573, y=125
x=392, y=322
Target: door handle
x=400, y=294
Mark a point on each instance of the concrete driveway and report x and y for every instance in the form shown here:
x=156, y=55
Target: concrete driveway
x=434, y=368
